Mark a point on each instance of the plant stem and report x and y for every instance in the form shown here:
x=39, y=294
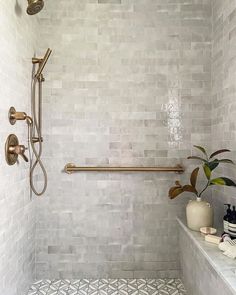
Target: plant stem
x=207, y=185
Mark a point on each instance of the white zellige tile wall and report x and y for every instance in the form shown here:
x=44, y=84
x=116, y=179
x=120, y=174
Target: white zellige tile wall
x=224, y=95
x=17, y=215
x=129, y=83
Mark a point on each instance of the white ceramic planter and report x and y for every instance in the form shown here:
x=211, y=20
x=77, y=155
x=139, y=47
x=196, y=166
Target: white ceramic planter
x=199, y=214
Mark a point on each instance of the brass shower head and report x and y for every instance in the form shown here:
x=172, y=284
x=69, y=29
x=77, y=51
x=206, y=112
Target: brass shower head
x=34, y=6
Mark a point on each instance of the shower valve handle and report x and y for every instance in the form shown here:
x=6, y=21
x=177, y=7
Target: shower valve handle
x=22, y=153
x=19, y=150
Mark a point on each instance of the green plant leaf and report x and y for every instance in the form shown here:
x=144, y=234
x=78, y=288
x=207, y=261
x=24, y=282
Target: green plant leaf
x=173, y=188
x=228, y=181
x=217, y=181
x=189, y=188
x=201, y=149
x=225, y=161
x=193, y=177
x=207, y=171
x=175, y=192
x=197, y=158
x=209, y=164
x=222, y=181
x=213, y=164
x=219, y=152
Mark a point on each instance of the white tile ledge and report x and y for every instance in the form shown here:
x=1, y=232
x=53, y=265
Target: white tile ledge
x=224, y=266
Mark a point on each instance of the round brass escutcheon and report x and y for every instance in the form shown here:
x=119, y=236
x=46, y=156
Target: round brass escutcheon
x=11, y=141
x=68, y=166
x=11, y=116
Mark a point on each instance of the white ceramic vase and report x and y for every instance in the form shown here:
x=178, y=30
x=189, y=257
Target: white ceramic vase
x=199, y=214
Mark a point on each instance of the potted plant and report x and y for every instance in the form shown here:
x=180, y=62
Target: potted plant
x=199, y=213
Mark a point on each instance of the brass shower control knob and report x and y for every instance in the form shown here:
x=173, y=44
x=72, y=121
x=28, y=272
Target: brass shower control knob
x=13, y=150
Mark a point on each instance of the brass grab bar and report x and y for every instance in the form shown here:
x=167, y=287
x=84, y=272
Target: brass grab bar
x=70, y=168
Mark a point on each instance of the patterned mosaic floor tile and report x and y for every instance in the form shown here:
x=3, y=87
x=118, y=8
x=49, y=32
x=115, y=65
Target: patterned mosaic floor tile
x=108, y=287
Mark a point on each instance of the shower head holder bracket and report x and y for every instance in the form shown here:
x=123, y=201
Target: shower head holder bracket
x=36, y=60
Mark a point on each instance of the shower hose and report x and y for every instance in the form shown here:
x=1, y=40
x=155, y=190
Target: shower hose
x=34, y=129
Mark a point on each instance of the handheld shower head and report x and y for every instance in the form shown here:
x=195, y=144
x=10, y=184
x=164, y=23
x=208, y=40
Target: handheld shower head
x=43, y=62
x=34, y=6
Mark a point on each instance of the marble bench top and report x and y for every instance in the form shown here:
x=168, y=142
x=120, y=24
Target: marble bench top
x=223, y=265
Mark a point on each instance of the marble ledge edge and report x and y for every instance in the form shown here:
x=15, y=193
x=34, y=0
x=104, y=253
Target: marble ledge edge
x=210, y=252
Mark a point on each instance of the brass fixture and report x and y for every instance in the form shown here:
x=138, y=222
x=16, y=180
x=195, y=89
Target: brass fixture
x=36, y=60
x=37, y=139
x=12, y=147
x=34, y=6
x=35, y=129
x=39, y=77
x=70, y=168
x=13, y=116
x=13, y=150
x=42, y=62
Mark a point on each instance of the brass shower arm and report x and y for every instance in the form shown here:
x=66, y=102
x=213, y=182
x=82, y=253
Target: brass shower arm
x=14, y=116
x=29, y=120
